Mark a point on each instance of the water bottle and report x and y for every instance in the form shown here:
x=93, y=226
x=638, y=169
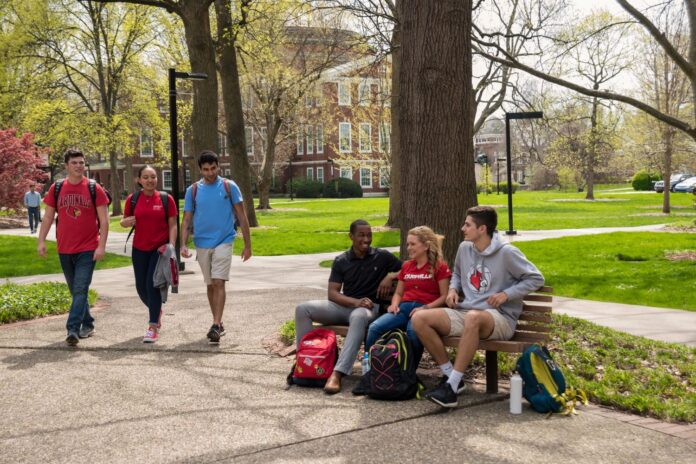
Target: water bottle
x=365, y=363
x=516, y=394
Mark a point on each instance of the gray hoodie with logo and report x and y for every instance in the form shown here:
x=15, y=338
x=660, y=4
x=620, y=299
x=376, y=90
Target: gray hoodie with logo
x=499, y=268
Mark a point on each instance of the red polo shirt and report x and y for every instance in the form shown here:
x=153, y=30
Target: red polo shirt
x=419, y=285
x=151, y=227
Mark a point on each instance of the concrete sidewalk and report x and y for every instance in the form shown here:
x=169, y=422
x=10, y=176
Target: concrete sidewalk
x=114, y=399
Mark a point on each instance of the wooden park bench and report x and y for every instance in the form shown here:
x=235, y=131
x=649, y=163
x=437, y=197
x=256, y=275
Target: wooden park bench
x=533, y=326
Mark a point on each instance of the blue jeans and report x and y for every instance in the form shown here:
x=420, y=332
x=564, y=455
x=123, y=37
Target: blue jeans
x=400, y=320
x=78, y=269
x=144, y=263
x=34, y=217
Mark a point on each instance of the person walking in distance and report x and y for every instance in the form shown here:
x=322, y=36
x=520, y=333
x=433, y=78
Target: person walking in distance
x=32, y=201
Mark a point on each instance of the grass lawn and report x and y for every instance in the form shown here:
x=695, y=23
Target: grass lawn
x=313, y=226
x=623, y=267
x=19, y=258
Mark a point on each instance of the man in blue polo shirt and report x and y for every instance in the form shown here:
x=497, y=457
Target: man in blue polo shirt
x=212, y=205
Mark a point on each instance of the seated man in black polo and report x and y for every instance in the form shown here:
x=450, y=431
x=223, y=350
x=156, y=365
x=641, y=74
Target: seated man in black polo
x=360, y=281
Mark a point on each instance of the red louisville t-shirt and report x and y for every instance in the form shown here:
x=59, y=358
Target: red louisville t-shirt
x=151, y=229
x=77, y=229
x=419, y=285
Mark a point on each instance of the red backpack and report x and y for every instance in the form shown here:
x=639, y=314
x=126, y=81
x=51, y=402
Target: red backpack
x=315, y=359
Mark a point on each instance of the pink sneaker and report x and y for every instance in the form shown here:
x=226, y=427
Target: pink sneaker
x=151, y=335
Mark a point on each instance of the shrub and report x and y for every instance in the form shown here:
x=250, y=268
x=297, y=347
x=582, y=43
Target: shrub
x=644, y=180
x=342, y=188
x=287, y=332
x=302, y=187
x=504, y=187
x=484, y=188
x=19, y=302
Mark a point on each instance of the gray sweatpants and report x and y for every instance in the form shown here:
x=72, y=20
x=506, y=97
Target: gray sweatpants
x=330, y=313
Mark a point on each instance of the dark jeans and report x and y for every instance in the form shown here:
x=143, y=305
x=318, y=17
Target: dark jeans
x=78, y=269
x=144, y=263
x=400, y=320
x=34, y=217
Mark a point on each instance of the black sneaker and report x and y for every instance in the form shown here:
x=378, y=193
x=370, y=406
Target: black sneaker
x=442, y=395
x=460, y=388
x=73, y=339
x=86, y=332
x=214, y=335
x=361, y=388
x=222, y=330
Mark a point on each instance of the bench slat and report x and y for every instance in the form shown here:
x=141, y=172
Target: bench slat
x=533, y=297
x=536, y=308
x=533, y=328
x=535, y=317
x=545, y=289
x=530, y=336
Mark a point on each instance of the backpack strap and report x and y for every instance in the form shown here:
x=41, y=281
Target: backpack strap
x=56, y=190
x=92, y=187
x=228, y=189
x=133, y=202
x=164, y=196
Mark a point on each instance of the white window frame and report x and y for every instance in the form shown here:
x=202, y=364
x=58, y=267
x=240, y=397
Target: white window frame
x=187, y=176
x=320, y=174
x=344, y=93
x=300, y=141
x=228, y=172
x=319, y=132
x=222, y=141
x=364, y=96
x=362, y=177
x=183, y=146
x=249, y=139
x=152, y=145
x=166, y=173
x=125, y=181
x=310, y=173
x=346, y=172
x=365, y=134
x=309, y=137
x=341, y=148
x=382, y=142
x=383, y=177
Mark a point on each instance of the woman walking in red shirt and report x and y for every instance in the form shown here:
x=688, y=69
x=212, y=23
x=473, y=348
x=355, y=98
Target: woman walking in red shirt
x=155, y=226
x=423, y=284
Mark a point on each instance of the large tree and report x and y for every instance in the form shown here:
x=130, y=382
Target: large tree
x=435, y=119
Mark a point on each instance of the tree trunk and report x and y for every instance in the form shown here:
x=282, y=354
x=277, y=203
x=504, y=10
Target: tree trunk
x=667, y=139
x=115, y=184
x=201, y=50
x=232, y=102
x=436, y=128
x=266, y=178
x=395, y=155
x=592, y=152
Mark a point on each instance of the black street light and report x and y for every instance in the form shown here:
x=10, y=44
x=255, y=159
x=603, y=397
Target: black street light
x=508, y=117
x=497, y=166
x=173, y=76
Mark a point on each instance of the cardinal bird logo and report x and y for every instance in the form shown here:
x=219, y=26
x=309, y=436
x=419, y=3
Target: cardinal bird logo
x=479, y=278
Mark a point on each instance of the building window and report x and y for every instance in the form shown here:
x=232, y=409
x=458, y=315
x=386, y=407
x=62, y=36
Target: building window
x=366, y=177
x=167, y=180
x=146, y=143
x=364, y=93
x=344, y=93
x=300, y=141
x=344, y=141
x=365, y=137
x=384, y=138
x=309, y=135
x=384, y=177
x=228, y=172
x=320, y=175
x=187, y=176
x=310, y=173
x=249, y=135
x=320, y=138
x=346, y=173
x=222, y=141
x=125, y=182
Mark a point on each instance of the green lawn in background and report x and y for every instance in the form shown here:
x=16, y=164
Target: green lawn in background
x=313, y=226
x=19, y=258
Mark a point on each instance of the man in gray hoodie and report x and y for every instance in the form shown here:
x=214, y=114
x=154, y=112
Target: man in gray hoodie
x=494, y=277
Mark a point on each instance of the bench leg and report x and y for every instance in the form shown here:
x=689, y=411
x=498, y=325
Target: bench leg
x=491, y=372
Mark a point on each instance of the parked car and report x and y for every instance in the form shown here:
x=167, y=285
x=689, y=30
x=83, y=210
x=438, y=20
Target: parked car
x=659, y=186
x=687, y=186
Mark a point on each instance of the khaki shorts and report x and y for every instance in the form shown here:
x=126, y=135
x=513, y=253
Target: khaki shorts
x=501, y=331
x=215, y=262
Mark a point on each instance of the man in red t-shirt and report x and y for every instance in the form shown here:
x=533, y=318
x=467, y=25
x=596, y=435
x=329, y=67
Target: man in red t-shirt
x=81, y=232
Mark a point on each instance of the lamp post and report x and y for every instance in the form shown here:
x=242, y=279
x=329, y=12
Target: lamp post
x=508, y=117
x=290, y=181
x=173, y=76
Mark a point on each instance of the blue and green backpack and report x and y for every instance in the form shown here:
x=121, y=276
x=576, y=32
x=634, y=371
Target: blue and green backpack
x=544, y=384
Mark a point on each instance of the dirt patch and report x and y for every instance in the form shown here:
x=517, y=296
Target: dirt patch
x=582, y=200
x=687, y=255
x=686, y=228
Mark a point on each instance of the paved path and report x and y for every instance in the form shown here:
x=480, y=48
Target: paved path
x=271, y=272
